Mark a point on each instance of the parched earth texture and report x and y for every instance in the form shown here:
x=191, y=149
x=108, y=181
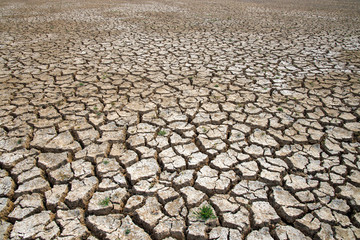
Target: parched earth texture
x=123, y=119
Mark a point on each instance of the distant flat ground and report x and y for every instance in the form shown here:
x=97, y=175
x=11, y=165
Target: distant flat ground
x=179, y=119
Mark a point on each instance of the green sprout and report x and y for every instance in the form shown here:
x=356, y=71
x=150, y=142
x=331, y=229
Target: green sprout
x=19, y=141
x=105, y=202
x=205, y=213
x=81, y=84
x=152, y=185
x=64, y=176
x=162, y=133
x=280, y=109
x=216, y=85
x=239, y=105
x=105, y=162
x=127, y=231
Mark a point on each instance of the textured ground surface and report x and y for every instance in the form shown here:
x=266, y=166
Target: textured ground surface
x=120, y=119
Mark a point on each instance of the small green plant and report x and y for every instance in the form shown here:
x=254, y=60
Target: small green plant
x=205, y=213
x=152, y=185
x=104, y=202
x=64, y=176
x=81, y=84
x=162, y=133
x=280, y=109
x=204, y=130
x=95, y=108
x=19, y=141
x=98, y=114
x=216, y=85
x=127, y=231
x=105, y=162
x=190, y=78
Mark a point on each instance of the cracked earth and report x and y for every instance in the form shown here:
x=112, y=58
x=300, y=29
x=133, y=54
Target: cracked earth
x=122, y=119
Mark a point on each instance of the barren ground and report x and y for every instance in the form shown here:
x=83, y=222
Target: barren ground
x=123, y=119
